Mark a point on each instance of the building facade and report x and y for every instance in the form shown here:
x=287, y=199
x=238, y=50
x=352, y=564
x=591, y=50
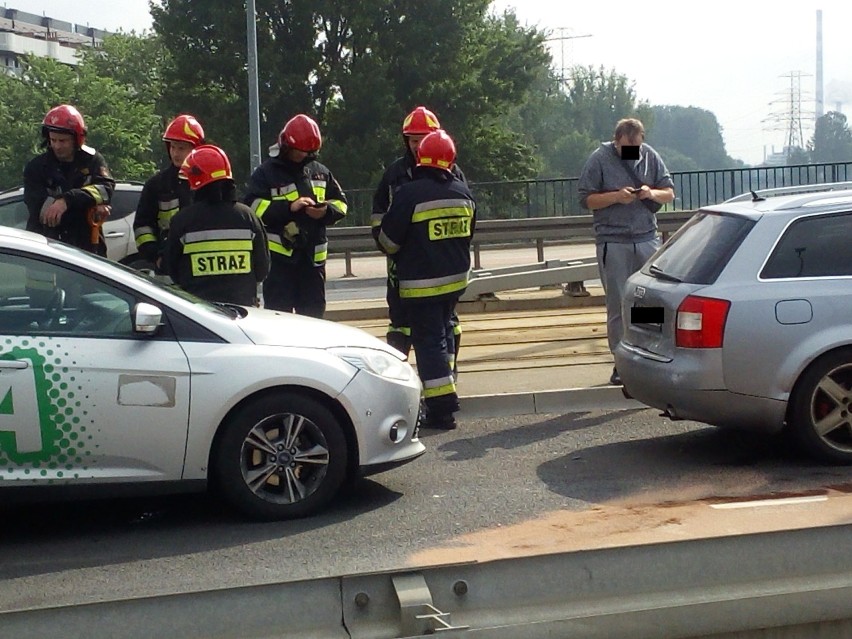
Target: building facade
x=24, y=33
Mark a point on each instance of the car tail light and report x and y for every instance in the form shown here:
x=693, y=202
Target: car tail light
x=701, y=322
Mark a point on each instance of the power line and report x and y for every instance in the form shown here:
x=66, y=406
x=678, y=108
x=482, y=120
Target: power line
x=562, y=38
x=788, y=113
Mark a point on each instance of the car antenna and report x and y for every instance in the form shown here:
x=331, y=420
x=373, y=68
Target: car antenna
x=756, y=198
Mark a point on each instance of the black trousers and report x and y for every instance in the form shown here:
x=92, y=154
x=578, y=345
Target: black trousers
x=432, y=338
x=399, y=326
x=295, y=287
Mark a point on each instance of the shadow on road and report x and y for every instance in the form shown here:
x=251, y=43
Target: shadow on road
x=85, y=533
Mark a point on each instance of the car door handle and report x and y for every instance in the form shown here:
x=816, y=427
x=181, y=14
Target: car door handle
x=114, y=234
x=13, y=364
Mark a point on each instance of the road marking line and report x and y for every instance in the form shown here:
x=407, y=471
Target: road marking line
x=787, y=501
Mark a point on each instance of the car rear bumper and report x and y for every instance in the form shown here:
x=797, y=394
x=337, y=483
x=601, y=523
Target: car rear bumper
x=692, y=387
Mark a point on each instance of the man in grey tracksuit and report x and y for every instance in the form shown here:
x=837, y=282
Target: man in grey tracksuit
x=624, y=183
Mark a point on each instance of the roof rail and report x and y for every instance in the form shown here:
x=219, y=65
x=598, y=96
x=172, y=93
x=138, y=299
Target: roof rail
x=754, y=196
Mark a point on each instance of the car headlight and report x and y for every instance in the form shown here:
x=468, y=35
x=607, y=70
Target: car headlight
x=376, y=362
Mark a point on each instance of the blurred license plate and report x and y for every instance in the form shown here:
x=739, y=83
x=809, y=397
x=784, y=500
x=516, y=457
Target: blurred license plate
x=651, y=317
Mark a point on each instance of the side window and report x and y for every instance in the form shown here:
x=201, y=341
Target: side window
x=44, y=298
x=815, y=246
x=14, y=213
x=123, y=203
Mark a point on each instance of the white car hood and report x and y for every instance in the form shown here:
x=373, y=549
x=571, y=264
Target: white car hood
x=274, y=328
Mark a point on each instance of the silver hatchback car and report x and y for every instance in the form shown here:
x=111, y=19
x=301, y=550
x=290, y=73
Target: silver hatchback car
x=743, y=319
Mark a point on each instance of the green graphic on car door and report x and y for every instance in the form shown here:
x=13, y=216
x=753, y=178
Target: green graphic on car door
x=42, y=412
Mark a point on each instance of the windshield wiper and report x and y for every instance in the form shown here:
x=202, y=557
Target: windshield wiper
x=231, y=309
x=659, y=273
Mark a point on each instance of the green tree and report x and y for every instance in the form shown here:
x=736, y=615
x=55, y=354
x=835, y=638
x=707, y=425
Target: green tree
x=693, y=132
x=358, y=68
x=120, y=124
x=832, y=140
x=566, y=120
x=797, y=155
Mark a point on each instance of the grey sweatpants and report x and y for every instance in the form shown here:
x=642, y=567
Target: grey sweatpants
x=616, y=262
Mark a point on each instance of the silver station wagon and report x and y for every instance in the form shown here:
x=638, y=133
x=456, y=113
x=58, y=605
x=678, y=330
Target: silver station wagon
x=743, y=319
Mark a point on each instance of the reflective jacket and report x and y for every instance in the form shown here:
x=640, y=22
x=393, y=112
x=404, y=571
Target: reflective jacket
x=398, y=173
x=217, y=251
x=84, y=183
x=163, y=195
x=427, y=231
x=295, y=236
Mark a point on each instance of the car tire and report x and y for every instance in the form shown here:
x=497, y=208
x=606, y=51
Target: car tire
x=281, y=456
x=820, y=414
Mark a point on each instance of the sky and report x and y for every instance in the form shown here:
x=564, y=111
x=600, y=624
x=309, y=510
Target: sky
x=742, y=60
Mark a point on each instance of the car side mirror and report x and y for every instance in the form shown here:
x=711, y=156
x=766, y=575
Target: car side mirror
x=147, y=318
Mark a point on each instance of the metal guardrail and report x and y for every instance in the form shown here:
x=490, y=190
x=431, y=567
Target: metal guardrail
x=795, y=584
x=511, y=278
x=540, y=231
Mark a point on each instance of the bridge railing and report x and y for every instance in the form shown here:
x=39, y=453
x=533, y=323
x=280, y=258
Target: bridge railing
x=539, y=231
x=557, y=197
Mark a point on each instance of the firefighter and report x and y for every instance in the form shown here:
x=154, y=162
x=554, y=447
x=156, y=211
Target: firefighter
x=296, y=197
x=165, y=193
x=427, y=231
x=416, y=125
x=67, y=189
x=216, y=247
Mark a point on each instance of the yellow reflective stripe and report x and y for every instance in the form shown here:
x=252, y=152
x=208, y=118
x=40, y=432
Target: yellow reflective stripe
x=289, y=197
x=219, y=173
x=318, y=187
x=288, y=192
x=170, y=205
x=275, y=245
x=405, y=330
x=164, y=218
x=99, y=193
x=447, y=211
x=340, y=205
x=388, y=244
x=143, y=230
x=145, y=238
x=217, y=245
x=457, y=329
x=217, y=234
x=259, y=206
x=376, y=219
x=320, y=253
x=432, y=287
x=445, y=388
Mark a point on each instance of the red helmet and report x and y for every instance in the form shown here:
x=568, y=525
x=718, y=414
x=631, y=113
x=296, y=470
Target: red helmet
x=205, y=164
x=420, y=122
x=65, y=119
x=184, y=128
x=438, y=150
x=300, y=133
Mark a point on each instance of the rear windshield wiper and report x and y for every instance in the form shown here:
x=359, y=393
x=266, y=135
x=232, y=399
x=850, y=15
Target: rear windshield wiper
x=659, y=273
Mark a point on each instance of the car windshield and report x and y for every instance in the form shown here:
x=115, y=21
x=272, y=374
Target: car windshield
x=214, y=307
x=698, y=252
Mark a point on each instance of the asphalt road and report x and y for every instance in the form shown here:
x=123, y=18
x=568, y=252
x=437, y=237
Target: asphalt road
x=493, y=488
